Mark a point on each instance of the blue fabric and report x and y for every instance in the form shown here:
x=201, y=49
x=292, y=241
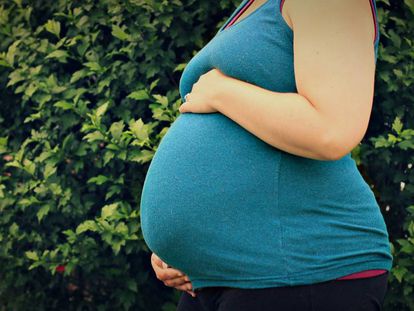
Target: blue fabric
x=228, y=209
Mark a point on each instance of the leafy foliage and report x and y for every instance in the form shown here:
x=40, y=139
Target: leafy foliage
x=88, y=90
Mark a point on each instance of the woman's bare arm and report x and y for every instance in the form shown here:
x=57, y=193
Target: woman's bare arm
x=334, y=70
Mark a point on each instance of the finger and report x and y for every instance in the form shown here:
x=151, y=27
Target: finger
x=168, y=273
x=177, y=281
x=159, y=265
x=185, y=287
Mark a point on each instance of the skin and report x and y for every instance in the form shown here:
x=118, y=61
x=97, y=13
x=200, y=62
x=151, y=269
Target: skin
x=334, y=71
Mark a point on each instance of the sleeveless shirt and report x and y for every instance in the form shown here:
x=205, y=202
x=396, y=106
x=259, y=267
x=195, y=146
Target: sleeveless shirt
x=365, y=273
x=228, y=209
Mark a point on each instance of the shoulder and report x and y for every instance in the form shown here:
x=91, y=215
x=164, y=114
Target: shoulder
x=352, y=14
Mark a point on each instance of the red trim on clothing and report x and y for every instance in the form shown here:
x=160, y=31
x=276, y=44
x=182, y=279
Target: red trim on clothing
x=282, y=2
x=363, y=274
x=245, y=7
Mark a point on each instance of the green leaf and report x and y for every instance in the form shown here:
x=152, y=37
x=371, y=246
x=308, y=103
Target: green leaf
x=35, y=265
x=102, y=109
x=32, y=117
x=11, y=52
x=139, y=129
x=14, y=229
x=59, y=55
x=122, y=229
x=109, y=210
x=49, y=170
x=114, y=189
x=139, y=95
x=108, y=156
x=113, y=147
x=132, y=285
x=29, y=166
x=32, y=255
x=163, y=100
x=64, y=105
x=180, y=67
x=78, y=75
x=53, y=27
x=56, y=189
x=94, y=66
x=88, y=225
x=99, y=180
x=116, y=246
x=406, y=144
x=407, y=247
x=399, y=272
x=154, y=84
x=42, y=212
x=116, y=129
x=119, y=33
x=42, y=98
x=3, y=144
x=94, y=136
x=143, y=156
x=15, y=77
x=31, y=89
x=4, y=63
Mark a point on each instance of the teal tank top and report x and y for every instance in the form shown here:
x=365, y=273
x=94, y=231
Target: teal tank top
x=228, y=209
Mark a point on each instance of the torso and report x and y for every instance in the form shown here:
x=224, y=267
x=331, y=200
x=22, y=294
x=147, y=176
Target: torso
x=228, y=209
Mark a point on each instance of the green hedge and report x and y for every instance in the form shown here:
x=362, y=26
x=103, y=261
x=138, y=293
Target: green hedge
x=88, y=90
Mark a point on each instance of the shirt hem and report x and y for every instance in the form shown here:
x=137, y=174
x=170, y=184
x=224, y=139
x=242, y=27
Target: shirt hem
x=323, y=275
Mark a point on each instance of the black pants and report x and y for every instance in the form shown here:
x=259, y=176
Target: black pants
x=365, y=294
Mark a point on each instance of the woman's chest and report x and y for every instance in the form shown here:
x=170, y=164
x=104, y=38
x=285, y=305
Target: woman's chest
x=257, y=49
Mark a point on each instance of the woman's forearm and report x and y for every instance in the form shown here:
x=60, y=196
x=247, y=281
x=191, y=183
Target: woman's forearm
x=287, y=121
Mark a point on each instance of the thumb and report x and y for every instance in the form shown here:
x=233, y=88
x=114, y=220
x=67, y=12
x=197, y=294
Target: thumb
x=157, y=260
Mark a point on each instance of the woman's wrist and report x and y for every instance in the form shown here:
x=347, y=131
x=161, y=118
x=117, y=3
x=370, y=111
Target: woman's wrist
x=224, y=87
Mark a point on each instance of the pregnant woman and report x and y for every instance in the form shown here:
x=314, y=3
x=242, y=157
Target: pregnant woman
x=253, y=196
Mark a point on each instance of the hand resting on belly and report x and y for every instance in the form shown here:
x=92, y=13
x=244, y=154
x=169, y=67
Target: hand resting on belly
x=170, y=276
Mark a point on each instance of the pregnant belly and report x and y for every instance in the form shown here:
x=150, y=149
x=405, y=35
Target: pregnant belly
x=209, y=191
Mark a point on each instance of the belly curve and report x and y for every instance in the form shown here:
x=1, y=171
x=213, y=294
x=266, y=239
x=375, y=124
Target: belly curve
x=209, y=179
x=217, y=201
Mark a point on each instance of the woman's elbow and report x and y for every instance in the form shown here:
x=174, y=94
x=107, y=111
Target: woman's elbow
x=337, y=146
